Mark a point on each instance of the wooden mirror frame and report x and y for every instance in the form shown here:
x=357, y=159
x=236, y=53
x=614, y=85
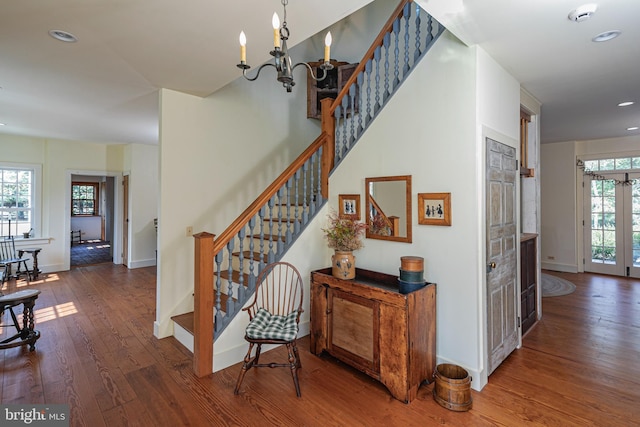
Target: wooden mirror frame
x=372, y=205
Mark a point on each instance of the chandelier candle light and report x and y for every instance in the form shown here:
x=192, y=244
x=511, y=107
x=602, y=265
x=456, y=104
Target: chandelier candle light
x=280, y=53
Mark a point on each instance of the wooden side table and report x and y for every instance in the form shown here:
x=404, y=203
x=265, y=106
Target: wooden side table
x=367, y=323
x=35, y=271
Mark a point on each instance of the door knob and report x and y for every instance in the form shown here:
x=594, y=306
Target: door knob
x=491, y=266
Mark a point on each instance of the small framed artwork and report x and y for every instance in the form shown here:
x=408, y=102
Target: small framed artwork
x=349, y=206
x=434, y=208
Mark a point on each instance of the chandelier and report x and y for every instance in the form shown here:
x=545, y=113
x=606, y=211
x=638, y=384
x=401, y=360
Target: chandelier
x=280, y=53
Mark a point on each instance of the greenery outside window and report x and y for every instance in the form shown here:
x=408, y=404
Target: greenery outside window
x=84, y=198
x=17, y=199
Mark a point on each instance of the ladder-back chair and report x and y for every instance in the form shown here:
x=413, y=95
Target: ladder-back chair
x=9, y=256
x=274, y=315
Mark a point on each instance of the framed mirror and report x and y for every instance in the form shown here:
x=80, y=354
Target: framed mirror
x=388, y=208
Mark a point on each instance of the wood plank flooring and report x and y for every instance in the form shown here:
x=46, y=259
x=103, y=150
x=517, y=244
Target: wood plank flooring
x=579, y=366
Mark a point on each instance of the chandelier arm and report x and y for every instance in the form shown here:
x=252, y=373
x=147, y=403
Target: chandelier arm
x=244, y=72
x=314, y=77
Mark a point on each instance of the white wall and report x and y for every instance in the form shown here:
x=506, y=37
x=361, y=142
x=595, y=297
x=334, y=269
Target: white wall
x=428, y=126
x=558, y=193
x=141, y=164
x=499, y=119
x=561, y=197
x=433, y=129
x=219, y=153
x=60, y=160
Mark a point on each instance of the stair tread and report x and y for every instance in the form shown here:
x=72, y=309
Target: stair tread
x=290, y=220
x=248, y=254
x=235, y=276
x=185, y=320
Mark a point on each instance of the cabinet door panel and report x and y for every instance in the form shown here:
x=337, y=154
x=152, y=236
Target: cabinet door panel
x=353, y=329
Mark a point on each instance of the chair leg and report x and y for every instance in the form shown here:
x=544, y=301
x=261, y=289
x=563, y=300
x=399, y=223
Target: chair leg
x=248, y=363
x=258, y=352
x=295, y=353
x=293, y=364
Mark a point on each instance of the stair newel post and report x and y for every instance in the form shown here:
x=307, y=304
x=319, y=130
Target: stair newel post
x=329, y=147
x=203, y=305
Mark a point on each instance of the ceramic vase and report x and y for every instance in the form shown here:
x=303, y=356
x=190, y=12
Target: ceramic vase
x=343, y=265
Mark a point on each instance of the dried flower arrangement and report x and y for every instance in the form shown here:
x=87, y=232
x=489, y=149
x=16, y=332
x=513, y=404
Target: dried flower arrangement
x=344, y=234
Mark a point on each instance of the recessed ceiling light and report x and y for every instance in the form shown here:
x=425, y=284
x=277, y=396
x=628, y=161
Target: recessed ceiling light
x=583, y=12
x=63, y=36
x=633, y=128
x=1, y=124
x=606, y=36
x=626, y=103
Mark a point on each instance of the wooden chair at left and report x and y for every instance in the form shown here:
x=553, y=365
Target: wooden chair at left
x=25, y=333
x=274, y=315
x=9, y=257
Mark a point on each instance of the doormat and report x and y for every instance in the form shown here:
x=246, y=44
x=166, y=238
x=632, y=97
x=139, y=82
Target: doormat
x=553, y=286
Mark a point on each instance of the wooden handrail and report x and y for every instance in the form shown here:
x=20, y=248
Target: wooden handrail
x=398, y=12
x=263, y=198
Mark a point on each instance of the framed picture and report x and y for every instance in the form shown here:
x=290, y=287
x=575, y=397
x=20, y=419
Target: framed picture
x=349, y=206
x=434, y=208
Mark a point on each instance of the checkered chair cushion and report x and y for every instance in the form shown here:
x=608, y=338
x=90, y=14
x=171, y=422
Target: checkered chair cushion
x=268, y=326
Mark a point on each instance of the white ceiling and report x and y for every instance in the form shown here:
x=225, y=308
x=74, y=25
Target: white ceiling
x=104, y=87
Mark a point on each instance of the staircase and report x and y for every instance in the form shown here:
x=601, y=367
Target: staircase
x=226, y=266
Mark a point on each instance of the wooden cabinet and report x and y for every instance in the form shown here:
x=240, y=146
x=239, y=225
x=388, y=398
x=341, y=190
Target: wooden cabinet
x=368, y=324
x=329, y=87
x=528, y=282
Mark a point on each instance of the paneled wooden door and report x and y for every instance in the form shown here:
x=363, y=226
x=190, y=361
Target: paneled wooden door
x=502, y=243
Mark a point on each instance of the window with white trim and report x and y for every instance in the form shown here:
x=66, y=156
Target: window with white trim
x=18, y=199
x=84, y=198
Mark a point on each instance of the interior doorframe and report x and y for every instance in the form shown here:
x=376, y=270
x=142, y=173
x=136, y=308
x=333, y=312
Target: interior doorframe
x=117, y=220
x=481, y=155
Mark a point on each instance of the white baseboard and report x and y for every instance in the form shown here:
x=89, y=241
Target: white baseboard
x=564, y=268
x=142, y=263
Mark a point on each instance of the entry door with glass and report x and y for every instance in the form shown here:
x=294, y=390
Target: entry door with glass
x=612, y=223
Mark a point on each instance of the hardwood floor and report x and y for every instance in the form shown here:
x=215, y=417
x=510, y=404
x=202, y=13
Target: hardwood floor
x=579, y=366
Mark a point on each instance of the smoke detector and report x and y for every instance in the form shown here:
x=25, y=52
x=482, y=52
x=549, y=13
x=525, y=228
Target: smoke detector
x=583, y=12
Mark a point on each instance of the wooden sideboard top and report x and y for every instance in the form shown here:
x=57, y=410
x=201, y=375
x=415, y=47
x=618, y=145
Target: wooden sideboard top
x=381, y=281
x=527, y=236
